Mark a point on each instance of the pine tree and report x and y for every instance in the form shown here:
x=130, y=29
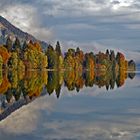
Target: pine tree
x=24, y=47
x=16, y=45
x=58, y=48
x=77, y=49
x=107, y=53
x=9, y=44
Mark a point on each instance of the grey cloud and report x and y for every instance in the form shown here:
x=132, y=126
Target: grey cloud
x=80, y=8
x=5, y=3
x=115, y=2
x=73, y=7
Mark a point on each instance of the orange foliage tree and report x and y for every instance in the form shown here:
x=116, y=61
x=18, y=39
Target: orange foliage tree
x=5, y=55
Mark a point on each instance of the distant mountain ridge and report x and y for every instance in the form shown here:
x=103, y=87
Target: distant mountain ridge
x=7, y=29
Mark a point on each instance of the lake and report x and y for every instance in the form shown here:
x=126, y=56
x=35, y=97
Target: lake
x=70, y=105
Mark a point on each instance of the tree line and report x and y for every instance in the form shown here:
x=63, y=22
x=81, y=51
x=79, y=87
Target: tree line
x=29, y=55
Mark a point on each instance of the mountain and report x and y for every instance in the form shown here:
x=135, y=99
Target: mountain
x=7, y=29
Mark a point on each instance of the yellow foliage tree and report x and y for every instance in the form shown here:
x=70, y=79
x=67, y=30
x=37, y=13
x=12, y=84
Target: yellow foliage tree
x=34, y=58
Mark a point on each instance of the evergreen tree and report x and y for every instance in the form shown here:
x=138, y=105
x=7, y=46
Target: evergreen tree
x=24, y=47
x=52, y=58
x=112, y=55
x=107, y=53
x=58, y=48
x=77, y=49
x=118, y=57
x=9, y=44
x=16, y=45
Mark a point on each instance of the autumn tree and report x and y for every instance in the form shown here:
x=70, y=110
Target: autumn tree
x=1, y=63
x=34, y=58
x=69, y=62
x=4, y=54
x=79, y=59
x=120, y=58
x=89, y=61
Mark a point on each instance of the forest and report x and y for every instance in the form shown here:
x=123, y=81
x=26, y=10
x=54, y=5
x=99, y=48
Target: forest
x=30, y=56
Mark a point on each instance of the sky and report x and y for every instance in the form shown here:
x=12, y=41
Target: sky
x=89, y=24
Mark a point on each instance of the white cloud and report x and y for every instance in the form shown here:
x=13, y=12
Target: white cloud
x=26, y=18
x=19, y=15
x=117, y=4
x=92, y=130
x=26, y=119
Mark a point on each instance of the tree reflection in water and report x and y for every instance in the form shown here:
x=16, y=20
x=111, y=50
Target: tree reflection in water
x=20, y=88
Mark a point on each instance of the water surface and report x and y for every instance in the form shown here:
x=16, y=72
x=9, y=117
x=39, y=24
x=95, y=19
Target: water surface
x=70, y=106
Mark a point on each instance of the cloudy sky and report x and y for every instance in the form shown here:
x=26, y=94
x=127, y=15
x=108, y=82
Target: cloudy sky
x=94, y=23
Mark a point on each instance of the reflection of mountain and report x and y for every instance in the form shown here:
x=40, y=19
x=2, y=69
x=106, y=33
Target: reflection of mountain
x=19, y=89
x=8, y=110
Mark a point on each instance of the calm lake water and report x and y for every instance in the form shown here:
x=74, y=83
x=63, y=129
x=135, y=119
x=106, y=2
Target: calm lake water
x=67, y=106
